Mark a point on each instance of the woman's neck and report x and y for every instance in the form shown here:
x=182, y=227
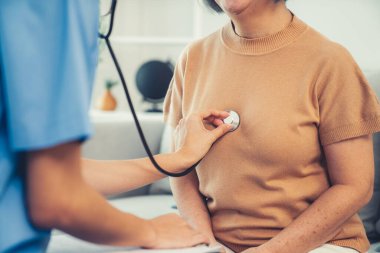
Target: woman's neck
x=261, y=19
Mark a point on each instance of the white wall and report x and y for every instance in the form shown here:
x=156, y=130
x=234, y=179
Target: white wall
x=353, y=23
x=147, y=18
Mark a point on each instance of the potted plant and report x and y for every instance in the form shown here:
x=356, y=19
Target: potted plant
x=107, y=101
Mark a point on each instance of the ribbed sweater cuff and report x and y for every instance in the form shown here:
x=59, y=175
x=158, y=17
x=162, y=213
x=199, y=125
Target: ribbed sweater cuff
x=364, y=127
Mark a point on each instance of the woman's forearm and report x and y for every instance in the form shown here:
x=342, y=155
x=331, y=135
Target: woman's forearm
x=191, y=204
x=113, y=177
x=319, y=223
x=351, y=173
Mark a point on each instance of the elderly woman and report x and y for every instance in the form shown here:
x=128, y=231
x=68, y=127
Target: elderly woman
x=294, y=175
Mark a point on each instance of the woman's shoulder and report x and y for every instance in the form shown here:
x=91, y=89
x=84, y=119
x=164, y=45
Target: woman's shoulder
x=325, y=48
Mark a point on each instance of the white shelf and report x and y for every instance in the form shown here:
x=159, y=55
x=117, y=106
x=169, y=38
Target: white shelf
x=121, y=115
x=157, y=40
x=152, y=40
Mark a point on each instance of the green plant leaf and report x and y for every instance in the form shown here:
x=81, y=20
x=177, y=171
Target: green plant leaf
x=110, y=83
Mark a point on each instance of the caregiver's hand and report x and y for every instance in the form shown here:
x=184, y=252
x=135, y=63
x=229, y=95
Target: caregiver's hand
x=193, y=139
x=171, y=231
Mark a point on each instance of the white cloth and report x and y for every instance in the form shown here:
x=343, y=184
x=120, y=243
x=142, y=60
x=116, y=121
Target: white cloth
x=326, y=248
x=329, y=248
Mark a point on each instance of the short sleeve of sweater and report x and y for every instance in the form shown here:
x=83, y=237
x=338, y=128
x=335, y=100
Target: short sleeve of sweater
x=173, y=100
x=348, y=107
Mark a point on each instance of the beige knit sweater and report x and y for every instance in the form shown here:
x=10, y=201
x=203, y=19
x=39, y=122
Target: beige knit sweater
x=295, y=92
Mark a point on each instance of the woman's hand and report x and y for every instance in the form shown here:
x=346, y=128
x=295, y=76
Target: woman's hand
x=193, y=139
x=171, y=231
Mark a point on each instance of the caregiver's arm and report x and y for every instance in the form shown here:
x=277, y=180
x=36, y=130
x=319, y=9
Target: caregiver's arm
x=111, y=177
x=351, y=170
x=193, y=142
x=59, y=198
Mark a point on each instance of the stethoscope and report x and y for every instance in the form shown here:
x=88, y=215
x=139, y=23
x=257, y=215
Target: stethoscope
x=233, y=119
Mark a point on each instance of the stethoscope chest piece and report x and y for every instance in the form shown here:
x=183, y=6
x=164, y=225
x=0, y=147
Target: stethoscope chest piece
x=233, y=119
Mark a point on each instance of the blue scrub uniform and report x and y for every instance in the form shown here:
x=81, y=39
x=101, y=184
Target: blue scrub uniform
x=48, y=55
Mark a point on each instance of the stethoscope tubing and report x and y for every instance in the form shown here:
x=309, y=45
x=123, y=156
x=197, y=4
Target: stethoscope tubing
x=130, y=103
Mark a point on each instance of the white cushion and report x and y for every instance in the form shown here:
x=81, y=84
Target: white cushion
x=163, y=186
x=116, y=136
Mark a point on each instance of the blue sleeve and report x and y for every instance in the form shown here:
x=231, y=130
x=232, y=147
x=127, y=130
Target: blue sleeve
x=48, y=53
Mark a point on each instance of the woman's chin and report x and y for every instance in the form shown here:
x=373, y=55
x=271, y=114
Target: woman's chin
x=234, y=7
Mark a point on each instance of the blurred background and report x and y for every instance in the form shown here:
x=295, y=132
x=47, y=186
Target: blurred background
x=148, y=30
